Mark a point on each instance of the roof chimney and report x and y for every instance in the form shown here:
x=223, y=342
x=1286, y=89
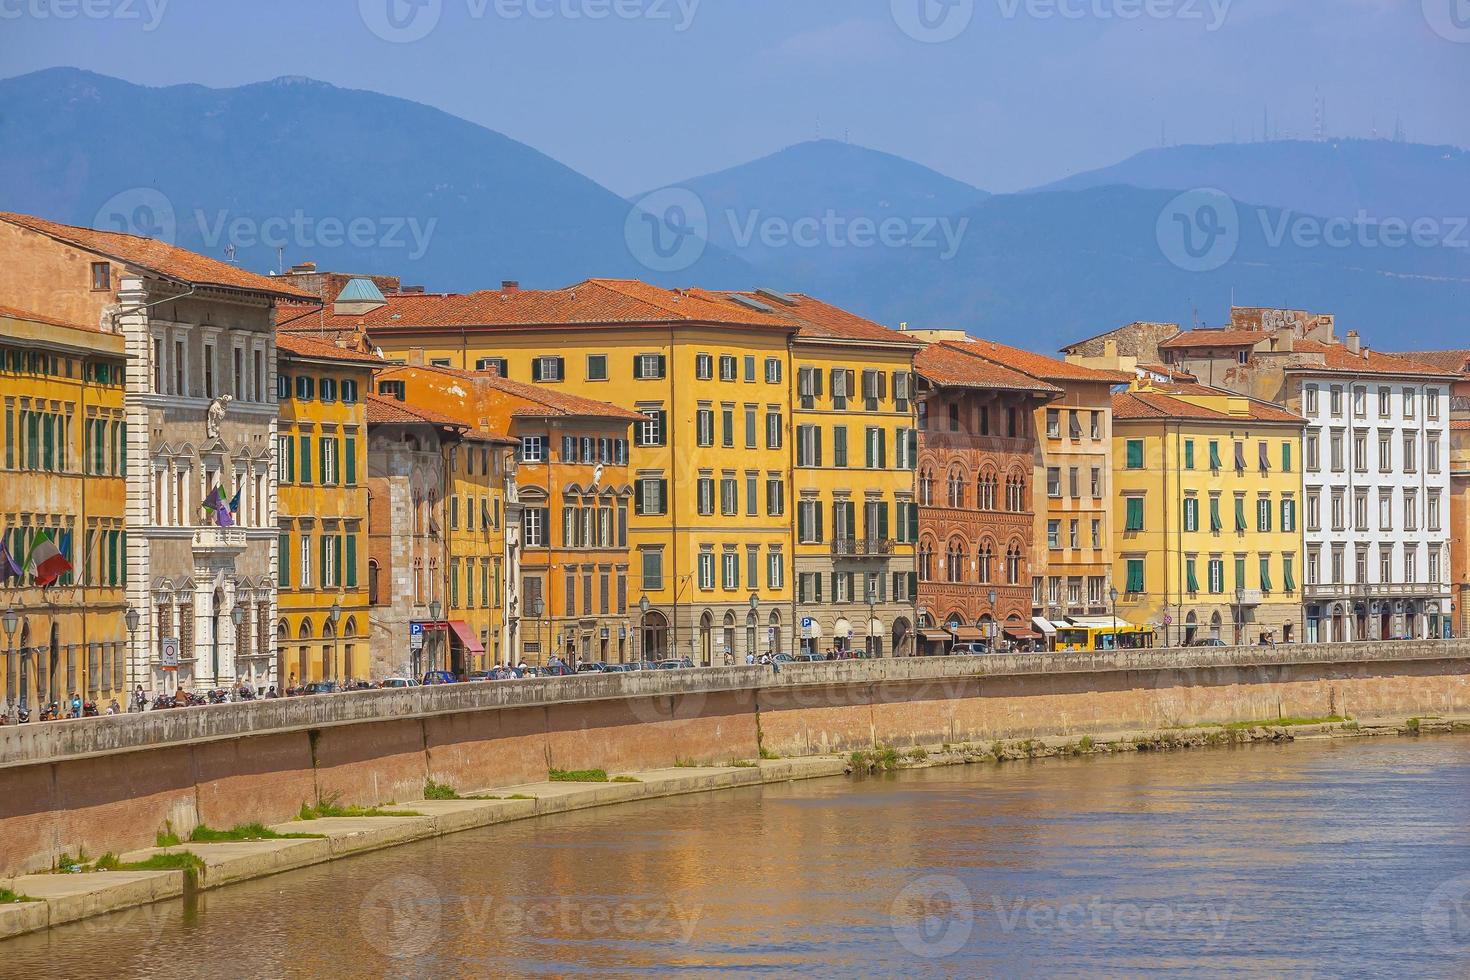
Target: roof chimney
x=510, y=285
x=301, y=268
x=412, y=290
x=1352, y=342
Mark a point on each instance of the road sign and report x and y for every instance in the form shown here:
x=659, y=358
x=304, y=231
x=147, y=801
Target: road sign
x=806, y=627
x=415, y=636
x=169, y=647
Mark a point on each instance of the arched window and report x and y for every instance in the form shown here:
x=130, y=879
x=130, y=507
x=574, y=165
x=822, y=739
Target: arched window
x=926, y=561
x=985, y=560
x=955, y=561
x=305, y=632
x=985, y=491
x=1013, y=564
x=956, y=487
x=418, y=581
x=926, y=487
x=373, y=584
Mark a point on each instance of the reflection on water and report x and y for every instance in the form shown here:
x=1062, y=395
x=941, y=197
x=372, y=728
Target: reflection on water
x=1319, y=858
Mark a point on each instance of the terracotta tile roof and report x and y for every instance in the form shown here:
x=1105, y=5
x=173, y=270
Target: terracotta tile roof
x=156, y=256
x=1160, y=402
x=943, y=365
x=549, y=402
x=390, y=411
x=1460, y=425
x=1208, y=337
x=817, y=320
x=18, y=314
x=593, y=302
x=307, y=346
x=1167, y=370
x=1456, y=361
x=1037, y=365
x=1337, y=358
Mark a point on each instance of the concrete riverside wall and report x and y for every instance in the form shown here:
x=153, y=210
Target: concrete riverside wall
x=110, y=784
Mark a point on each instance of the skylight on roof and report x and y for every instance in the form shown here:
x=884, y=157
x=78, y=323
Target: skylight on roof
x=753, y=304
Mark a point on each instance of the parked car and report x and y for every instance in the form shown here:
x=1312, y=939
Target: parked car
x=322, y=687
x=591, y=668
x=481, y=675
x=399, y=682
x=675, y=664
x=439, y=677
x=1209, y=641
x=554, y=670
x=968, y=650
x=784, y=658
x=618, y=668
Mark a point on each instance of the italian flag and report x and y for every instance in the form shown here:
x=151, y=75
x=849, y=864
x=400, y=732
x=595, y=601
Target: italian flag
x=45, y=561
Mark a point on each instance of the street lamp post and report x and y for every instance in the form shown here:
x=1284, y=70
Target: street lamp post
x=10, y=620
x=131, y=618
x=1113, y=595
x=237, y=616
x=335, y=615
x=994, y=620
x=538, y=609
x=643, y=626
x=755, y=609
x=872, y=605
x=435, y=610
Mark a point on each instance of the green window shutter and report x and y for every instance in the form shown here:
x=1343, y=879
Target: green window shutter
x=1240, y=573
x=663, y=496
x=1191, y=582
x=663, y=369
x=1288, y=578
x=322, y=544
x=1135, y=454
x=48, y=448
x=351, y=561
x=351, y=453
x=283, y=564
x=1240, y=514
x=883, y=522
x=1135, y=575
x=1214, y=455
x=122, y=449
x=111, y=557
x=817, y=583
x=122, y=551
x=1286, y=457
x=1189, y=454
x=337, y=559
x=305, y=461
x=290, y=459
x=913, y=522
x=883, y=449
x=1265, y=574
x=638, y=497
x=1215, y=514
x=1134, y=519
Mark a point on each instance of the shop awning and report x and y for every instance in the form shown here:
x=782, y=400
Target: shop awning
x=1021, y=633
x=467, y=638
x=934, y=636
x=1043, y=626
x=968, y=634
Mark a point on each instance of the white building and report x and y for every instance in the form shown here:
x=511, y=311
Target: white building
x=1376, y=473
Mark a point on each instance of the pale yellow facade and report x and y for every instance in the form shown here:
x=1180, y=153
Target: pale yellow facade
x=1207, y=527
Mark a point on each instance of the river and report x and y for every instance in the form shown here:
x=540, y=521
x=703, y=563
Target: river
x=1319, y=858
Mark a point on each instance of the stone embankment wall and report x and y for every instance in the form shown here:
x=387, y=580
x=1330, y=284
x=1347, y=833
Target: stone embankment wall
x=110, y=784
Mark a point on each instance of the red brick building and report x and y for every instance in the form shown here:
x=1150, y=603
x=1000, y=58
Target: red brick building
x=977, y=452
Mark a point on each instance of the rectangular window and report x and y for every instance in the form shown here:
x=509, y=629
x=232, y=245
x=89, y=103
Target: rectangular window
x=727, y=367
x=1134, y=514
x=1189, y=454
x=648, y=367
x=750, y=427
x=596, y=367
x=653, y=570
x=773, y=371
x=706, y=571
x=1135, y=454
x=1191, y=513
x=491, y=365
x=749, y=360
x=548, y=368
x=1135, y=584
x=704, y=367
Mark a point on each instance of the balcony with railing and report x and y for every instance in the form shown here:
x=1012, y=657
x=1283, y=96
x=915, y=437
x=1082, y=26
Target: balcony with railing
x=219, y=540
x=862, y=548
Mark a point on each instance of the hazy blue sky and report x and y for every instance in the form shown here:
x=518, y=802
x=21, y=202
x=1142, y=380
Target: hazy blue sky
x=638, y=93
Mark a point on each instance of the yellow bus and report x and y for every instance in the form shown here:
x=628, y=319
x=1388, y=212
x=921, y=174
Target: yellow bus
x=1095, y=636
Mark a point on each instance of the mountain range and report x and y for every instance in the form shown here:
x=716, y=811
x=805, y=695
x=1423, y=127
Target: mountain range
x=294, y=169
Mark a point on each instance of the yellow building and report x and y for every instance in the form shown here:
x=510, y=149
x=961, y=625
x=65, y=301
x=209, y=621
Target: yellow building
x=708, y=372
x=64, y=465
x=1207, y=541
x=476, y=505
x=854, y=450
x=322, y=510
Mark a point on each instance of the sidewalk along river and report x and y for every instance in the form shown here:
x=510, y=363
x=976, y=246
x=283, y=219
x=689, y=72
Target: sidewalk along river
x=1319, y=857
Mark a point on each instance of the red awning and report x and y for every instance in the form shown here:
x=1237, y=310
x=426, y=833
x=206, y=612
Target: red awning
x=1022, y=633
x=462, y=630
x=968, y=634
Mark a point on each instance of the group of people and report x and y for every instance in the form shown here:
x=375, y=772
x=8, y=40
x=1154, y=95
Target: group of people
x=72, y=707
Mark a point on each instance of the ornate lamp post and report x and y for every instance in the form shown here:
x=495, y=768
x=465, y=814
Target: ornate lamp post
x=10, y=620
x=755, y=609
x=872, y=607
x=538, y=609
x=237, y=616
x=643, y=626
x=1113, y=596
x=994, y=620
x=435, y=610
x=335, y=615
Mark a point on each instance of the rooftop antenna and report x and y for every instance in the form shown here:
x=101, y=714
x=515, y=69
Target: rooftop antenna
x=1317, y=114
x=281, y=258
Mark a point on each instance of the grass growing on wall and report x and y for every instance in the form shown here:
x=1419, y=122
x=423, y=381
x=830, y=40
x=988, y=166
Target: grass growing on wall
x=245, y=831
x=328, y=806
x=577, y=775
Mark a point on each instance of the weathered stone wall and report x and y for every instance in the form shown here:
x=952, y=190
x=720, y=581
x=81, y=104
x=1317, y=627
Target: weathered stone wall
x=109, y=784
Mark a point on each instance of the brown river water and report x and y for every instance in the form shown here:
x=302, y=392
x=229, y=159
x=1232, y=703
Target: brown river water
x=1319, y=858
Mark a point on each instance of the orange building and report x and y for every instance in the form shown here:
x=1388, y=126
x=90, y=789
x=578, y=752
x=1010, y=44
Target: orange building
x=567, y=569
